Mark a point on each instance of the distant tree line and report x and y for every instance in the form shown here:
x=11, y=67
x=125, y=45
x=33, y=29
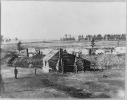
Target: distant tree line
x=2, y=39
x=68, y=38
x=108, y=37
x=99, y=37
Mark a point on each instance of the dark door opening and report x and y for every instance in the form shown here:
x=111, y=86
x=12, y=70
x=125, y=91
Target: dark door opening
x=86, y=65
x=68, y=68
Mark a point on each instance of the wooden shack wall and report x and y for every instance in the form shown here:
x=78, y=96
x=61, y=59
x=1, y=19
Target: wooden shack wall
x=53, y=61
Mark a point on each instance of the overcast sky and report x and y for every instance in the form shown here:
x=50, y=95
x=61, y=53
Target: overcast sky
x=52, y=20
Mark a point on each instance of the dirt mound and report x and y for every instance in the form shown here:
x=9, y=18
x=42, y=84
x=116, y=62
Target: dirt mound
x=7, y=56
x=38, y=56
x=25, y=61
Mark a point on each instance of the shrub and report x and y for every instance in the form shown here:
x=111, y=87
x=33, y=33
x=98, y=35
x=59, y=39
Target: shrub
x=110, y=61
x=24, y=62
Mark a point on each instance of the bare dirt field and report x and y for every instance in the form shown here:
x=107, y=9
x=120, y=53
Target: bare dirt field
x=58, y=44
x=69, y=85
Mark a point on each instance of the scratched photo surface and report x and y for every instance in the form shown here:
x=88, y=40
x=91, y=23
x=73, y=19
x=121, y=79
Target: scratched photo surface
x=63, y=49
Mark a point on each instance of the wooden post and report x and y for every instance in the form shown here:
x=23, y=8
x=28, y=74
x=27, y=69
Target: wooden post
x=39, y=52
x=27, y=52
x=62, y=65
x=61, y=61
x=76, y=68
x=2, y=84
x=90, y=52
x=94, y=67
x=35, y=71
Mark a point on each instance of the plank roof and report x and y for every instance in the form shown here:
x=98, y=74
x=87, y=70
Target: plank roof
x=46, y=51
x=50, y=55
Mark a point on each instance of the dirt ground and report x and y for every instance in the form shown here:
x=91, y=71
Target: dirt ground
x=69, y=85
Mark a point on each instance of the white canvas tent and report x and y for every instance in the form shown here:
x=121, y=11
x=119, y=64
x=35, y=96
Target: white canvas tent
x=77, y=50
x=99, y=51
x=31, y=50
x=85, y=51
x=119, y=50
x=70, y=50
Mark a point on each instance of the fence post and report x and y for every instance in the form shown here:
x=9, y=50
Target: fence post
x=27, y=52
x=35, y=70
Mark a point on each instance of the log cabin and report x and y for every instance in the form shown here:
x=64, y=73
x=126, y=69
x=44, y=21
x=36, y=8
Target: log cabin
x=61, y=61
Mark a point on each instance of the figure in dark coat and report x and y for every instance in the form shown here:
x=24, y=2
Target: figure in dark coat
x=15, y=72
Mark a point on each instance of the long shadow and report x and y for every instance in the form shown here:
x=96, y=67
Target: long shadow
x=28, y=77
x=41, y=82
x=73, y=92
x=18, y=91
x=95, y=70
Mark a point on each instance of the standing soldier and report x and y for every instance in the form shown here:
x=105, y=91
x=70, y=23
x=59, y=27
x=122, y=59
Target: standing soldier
x=15, y=72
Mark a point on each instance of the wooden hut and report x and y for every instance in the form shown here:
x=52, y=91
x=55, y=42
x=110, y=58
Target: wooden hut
x=119, y=50
x=83, y=64
x=63, y=62
x=31, y=52
x=50, y=61
x=68, y=62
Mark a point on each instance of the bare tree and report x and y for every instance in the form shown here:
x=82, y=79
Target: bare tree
x=92, y=43
x=19, y=46
x=65, y=35
x=16, y=39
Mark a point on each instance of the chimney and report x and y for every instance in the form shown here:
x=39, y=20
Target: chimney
x=61, y=53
